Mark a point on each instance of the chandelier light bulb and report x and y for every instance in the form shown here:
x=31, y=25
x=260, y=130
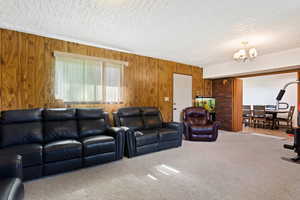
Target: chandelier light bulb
x=245, y=53
x=253, y=53
x=236, y=56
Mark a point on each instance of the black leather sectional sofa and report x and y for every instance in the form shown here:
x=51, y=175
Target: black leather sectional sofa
x=51, y=141
x=11, y=185
x=38, y=142
x=145, y=130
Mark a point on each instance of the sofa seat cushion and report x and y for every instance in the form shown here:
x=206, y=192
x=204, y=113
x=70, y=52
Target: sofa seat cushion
x=167, y=134
x=98, y=145
x=207, y=129
x=31, y=153
x=62, y=150
x=146, y=137
x=11, y=189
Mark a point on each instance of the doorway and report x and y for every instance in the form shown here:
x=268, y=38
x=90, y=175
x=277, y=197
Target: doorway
x=182, y=95
x=259, y=95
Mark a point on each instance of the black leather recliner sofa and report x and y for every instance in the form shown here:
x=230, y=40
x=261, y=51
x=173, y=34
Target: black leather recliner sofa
x=145, y=130
x=11, y=185
x=51, y=141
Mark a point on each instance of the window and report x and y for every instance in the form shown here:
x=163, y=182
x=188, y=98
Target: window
x=83, y=79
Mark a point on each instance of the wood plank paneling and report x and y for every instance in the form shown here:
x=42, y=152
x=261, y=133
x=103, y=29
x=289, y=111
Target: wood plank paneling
x=27, y=74
x=237, y=105
x=11, y=72
x=183, y=69
x=198, y=88
x=165, y=85
x=208, y=88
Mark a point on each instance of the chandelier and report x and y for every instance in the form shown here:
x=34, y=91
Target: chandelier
x=245, y=54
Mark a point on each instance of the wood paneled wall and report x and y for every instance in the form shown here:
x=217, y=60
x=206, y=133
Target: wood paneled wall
x=27, y=74
x=237, y=101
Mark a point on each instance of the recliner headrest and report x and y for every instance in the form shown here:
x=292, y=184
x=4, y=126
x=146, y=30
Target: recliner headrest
x=195, y=112
x=18, y=116
x=90, y=113
x=59, y=114
x=148, y=111
x=129, y=112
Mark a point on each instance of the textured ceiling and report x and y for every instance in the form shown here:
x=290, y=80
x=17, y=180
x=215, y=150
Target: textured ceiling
x=191, y=31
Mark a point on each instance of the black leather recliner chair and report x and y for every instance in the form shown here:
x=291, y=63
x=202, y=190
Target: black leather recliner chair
x=21, y=133
x=101, y=143
x=145, y=130
x=51, y=141
x=11, y=185
x=62, y=151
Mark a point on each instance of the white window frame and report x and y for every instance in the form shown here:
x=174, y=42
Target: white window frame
x=103, y=62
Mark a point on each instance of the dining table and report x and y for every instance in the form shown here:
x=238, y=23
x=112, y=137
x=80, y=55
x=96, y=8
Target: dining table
x=274, y=113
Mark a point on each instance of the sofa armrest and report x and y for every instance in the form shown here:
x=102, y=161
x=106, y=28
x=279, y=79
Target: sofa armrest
x=11, y=166
x=119, y=135
x=130, y=146
x=215, y=124
x=177, y=126
x=173, y=125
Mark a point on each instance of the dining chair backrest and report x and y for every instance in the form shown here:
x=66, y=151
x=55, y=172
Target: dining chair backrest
x=291, y=112
x=259, y=111
x=246, y=107
x=246, y=110
x=270, y=107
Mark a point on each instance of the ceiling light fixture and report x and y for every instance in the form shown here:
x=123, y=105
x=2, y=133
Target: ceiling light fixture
x=245, y=54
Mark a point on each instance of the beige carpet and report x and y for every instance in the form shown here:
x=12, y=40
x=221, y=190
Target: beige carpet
x=237, y=166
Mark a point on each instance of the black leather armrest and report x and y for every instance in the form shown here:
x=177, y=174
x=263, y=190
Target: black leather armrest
x=173, y=125
x=114, y=131
x=11, y=166
x=119, y=135
x=177, y=126
x=130, y=146
x=116, y=119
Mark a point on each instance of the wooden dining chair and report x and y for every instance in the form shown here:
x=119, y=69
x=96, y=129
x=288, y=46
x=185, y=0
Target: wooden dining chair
x=270, y=107
x=247, y=115
x=259, y=117
x=287, y=120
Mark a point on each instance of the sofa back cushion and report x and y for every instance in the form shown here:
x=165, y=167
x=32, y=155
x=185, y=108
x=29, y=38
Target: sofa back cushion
x=196, y=116
x=152, y=117
x=59, y=124
x=131, y=117
x=21, y=127
x=92, y=122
